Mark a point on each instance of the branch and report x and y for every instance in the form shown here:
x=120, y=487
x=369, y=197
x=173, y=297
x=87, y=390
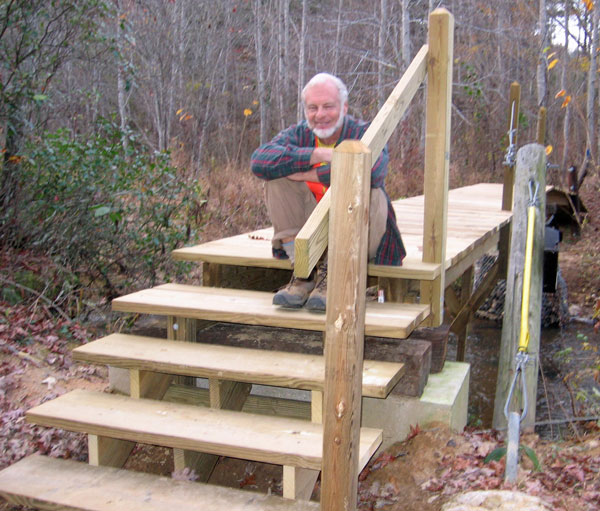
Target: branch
x=39, y=295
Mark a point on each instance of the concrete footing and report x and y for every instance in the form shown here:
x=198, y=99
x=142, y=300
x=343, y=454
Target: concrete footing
x=445, y=399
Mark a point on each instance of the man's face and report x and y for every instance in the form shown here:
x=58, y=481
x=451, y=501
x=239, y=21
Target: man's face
x=324, y=111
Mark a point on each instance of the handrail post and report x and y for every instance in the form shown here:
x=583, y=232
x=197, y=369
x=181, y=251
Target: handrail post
x=437, y=156
x=344, y=334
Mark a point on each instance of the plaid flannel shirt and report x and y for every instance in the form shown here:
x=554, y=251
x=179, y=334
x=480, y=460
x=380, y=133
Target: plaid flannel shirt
x=290, y=151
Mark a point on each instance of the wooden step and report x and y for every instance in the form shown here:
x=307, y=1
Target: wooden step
x=276, y=368
x=254, y=249
x=47, y=483
x=396, y=320
x=261, y=438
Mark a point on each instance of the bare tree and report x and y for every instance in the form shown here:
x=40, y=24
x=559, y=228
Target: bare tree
x=406, y=44
x=541, y=79
x=258, y=25
x=383, y=12
x=302, y=43
x=591, y=85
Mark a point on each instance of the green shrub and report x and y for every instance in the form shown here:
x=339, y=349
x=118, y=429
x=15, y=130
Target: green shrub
x=105, y=213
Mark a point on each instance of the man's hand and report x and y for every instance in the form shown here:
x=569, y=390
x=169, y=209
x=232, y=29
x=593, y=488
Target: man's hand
x=321, y=155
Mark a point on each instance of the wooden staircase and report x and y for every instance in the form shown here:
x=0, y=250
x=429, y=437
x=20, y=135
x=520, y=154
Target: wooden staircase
x=115, y=423
x=199, y=435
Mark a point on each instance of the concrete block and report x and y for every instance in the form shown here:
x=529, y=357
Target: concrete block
x=445, y=399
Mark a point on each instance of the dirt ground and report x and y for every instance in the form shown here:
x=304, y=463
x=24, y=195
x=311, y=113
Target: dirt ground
x=421, y=472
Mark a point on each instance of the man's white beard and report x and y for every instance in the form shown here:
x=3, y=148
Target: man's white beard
x=326, y=133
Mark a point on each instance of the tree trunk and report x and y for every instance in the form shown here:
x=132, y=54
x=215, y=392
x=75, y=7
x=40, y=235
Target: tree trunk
x=302, y=42
x=260, y=71
x=591, y=86
x=542, y=88
x=406, y=46
x=122, y=98
x=381, y=96
x=282, y=13
x=563, y=86
x=338, y=37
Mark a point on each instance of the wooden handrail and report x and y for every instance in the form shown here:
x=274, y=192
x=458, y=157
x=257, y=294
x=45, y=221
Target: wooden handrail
x=311, y=241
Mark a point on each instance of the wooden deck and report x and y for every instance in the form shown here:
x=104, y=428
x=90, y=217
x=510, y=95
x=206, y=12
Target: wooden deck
x=475, y=217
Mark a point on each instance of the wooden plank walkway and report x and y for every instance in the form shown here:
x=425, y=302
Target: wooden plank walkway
x=475, y=217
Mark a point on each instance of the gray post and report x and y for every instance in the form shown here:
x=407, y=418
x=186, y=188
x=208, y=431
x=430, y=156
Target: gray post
x=531, y=167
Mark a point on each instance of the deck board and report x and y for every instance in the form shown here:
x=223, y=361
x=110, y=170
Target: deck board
x=474, y=215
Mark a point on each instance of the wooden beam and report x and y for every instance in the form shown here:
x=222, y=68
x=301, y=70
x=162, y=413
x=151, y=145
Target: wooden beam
x=453, y=273
x=390, y=114
x=344, y=340
x=108, y=452
x=41, y=482
x=462, y=333
x=531, y=165
x=514, y=100
x=311, y=241
x=437, y=155
x=299, y=483
x=259, y=438
x=223, y=395
x=476, y=299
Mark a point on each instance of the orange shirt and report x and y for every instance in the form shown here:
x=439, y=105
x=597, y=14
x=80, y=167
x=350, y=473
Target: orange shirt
x=318, y=189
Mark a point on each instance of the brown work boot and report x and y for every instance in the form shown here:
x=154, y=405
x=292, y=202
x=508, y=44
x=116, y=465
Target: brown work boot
x=295, y=294
x=318, y=298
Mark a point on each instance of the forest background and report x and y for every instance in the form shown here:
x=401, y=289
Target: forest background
x=127, y=126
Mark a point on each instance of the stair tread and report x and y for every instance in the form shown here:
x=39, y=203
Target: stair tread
x=261, y=438
x=395, y=320
x=50, y=483
x=277, y=368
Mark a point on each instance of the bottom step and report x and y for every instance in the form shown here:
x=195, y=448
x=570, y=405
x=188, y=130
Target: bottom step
x=49, y=483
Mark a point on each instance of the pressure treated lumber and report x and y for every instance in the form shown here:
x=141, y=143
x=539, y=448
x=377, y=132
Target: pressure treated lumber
x=474, y=215
x=256, y=308
x=234, y=434
x=344, y=335
x=437, y=155
x=531, y=165
x=50, y=484
x=276, y=368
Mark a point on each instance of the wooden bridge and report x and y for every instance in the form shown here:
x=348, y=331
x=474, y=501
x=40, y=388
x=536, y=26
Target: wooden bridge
x=445, y=233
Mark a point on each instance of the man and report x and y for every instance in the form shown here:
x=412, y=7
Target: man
x=296, y=167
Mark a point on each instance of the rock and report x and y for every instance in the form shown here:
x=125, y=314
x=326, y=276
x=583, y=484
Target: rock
x=496, y=500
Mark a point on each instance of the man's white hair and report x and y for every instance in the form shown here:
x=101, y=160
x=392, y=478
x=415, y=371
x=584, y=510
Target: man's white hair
x=324, y=78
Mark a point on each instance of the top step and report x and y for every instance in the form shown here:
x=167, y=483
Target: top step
x=254, y=249
x=265, y=367
x=395, y=320
x=47, y=483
